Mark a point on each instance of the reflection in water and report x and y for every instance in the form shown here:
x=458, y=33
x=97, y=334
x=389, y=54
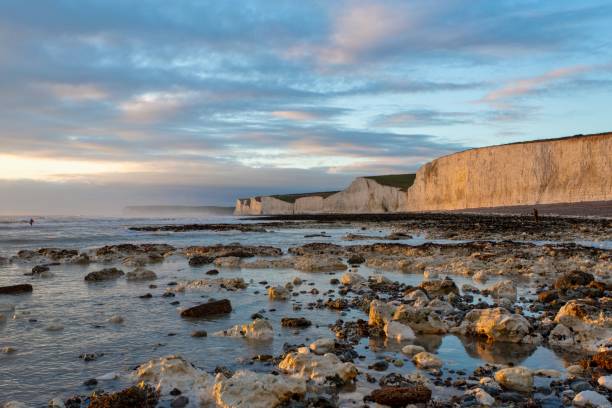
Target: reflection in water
x=497, y=352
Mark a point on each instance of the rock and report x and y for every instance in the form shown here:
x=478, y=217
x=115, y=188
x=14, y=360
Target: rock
x=211, y=284
x=421, y=319
x=199, y=260
x=104, y=275
x=317, y=368
x=212, y=272
x=14, y=404
x=504, y=289
x=228, y=262
x=398, y=331
x=246, y=389
x=179, y=402
x=54, y=327
x=356, y=259
x=116, y=319
x=380, y=313
x=605, y=381
x=603, y=359
x=483, y=397
x=426, y=360
x=497, y=324
x=199, y=333
x=573, y=279
x=439, y=287
x=591, y=399
x=15, y=289
x=259, y=329
x=310, y=263
x=401, y=396
x=38, y=269
x=352, y=279
x=323, y=346
x=8, y=350
x=515, y=378
x=411, y=349
x=581, y=325
x=545, y=372
x=141, y=395
x=297, y=281
x=295, y=322
x=278, y=293
x=141, y=274
x=208, y=309
x=579, y=386
x=170, y=372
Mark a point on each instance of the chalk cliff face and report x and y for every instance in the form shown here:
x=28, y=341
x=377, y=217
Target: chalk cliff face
x=362, y=196
x=262, y=205
x=542, y=172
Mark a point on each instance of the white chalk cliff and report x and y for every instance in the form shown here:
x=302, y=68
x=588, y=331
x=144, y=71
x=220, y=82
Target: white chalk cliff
x=565, y=170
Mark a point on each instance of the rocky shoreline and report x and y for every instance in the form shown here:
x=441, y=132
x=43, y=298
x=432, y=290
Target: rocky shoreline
x=502, y=297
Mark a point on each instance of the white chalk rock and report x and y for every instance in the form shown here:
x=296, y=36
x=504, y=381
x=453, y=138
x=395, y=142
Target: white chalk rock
x=167, y=373
x=116, y=319
x=246, y=389
x=323, y=346
x=426, y=360
x=352, y=279
x=380, y=313
x=8, y=350
x=483, y=397
x=591, y=399
x=308, y=365
x=498, y=324
x=14, y=404
x=605, y=381
x=411, y=349
x=515, y=378
x=505, y=289
x=398, y=331
x=580, y=325
x=278, y=293
x=259, y=329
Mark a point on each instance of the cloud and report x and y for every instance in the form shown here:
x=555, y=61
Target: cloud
x=528, y=85
x=422, y=117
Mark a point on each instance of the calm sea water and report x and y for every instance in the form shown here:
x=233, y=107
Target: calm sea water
x=47, y=364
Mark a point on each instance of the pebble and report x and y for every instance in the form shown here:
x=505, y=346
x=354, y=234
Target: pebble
x=179, y=402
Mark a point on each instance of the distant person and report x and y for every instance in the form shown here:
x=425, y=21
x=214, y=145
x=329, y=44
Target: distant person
x=31, y=222
x=536, y=215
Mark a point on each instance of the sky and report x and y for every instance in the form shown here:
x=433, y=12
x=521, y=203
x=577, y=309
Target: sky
x=111, y=103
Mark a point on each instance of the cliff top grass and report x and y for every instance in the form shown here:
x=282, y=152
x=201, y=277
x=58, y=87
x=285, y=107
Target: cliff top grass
x=401, y=181
x=290, y=198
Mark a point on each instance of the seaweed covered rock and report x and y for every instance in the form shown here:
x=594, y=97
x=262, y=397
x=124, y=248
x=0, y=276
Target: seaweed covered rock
x=104, y=275
x=217, y=307
x=400, y=396
x=141, y=395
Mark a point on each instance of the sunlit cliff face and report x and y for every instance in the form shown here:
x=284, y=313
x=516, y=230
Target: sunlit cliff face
x=200, y=103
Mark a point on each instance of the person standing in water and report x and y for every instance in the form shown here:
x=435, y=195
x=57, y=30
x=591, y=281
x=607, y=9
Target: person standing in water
x=31, y=222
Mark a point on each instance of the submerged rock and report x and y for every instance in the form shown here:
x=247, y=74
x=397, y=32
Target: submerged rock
x=319, y=264
x=515, y=378
x=497, y=324
x=317, y=368
x=104, y=275
x=211, y=284
x=208, y=309
x=259, y=329
x=246, y=389
x=15, y=289
x=199, y=260
x=295, y=322
x=140, y=274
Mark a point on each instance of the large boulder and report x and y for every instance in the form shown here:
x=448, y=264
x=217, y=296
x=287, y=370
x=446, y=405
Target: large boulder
x=591, y=399
x=380, y=313
x=497, y=324
x=307, y=365
x=352, y=279
x=259, y=329
x=398, y=331
x=505, y=289
x=104, y=275
x=216, y=307
x=426, y=360
x=140, y=274
x=246, y=389
x=421, y=319
x=515, y=378
x=278, y=293
x=439, y=287
x=582, y=324
x=15, y=289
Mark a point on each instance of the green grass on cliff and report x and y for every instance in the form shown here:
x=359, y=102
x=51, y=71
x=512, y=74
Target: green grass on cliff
x=290, y=198
x=401, y=181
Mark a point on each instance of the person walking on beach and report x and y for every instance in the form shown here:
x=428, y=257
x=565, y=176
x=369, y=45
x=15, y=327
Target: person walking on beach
x=31, y=222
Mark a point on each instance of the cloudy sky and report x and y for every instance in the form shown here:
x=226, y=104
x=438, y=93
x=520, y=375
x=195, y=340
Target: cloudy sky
x=115, y=102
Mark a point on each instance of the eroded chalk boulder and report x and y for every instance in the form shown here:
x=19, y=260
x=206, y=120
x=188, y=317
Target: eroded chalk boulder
x=515, y=378
x=582, y=324
x=310, y=366
x=497, y=324
x=259, y=329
